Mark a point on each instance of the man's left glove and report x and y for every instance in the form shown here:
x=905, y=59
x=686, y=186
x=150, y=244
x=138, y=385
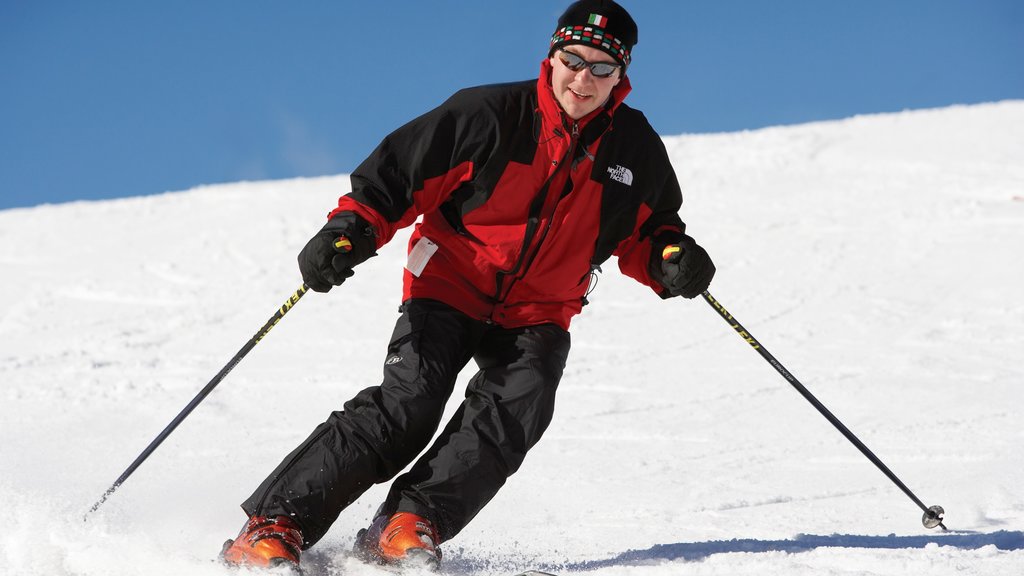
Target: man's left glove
x=685, y=269
x=329, y=256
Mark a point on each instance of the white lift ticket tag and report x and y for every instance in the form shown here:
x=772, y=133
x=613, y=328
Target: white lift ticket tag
x=419, y=256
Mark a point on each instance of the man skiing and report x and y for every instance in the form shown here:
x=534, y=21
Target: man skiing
x=524, y=189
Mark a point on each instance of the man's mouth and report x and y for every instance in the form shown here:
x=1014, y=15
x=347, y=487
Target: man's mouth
x=580, y=95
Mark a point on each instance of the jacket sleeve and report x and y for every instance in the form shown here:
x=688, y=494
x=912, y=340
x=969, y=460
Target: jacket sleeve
x=417, y=167
x=658, y=225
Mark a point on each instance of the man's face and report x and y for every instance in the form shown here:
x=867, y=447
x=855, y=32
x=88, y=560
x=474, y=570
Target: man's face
x=580, y=93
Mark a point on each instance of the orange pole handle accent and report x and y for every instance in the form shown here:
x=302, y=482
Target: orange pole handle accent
x=669, y=251
x=343, y=244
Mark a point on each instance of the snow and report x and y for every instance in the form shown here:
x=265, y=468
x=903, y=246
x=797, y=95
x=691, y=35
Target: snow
x=877, y=257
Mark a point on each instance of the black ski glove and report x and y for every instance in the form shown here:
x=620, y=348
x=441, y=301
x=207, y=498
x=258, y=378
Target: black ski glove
x=683, y=268
x=329, y=256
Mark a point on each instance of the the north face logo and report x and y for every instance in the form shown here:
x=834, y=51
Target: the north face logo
x=620, y=174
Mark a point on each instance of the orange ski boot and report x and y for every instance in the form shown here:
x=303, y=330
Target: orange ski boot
x=404, y=539
x=265, y=542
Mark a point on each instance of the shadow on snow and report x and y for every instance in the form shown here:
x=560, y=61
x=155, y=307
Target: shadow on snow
x=329, y=560
x=1003, y=540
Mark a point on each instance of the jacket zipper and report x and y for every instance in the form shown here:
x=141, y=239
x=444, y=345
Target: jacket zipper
x=536, y=211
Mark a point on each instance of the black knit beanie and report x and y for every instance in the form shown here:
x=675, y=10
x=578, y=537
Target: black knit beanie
x=601, y=24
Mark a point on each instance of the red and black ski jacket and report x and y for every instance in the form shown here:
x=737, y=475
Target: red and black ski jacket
x=519, y=203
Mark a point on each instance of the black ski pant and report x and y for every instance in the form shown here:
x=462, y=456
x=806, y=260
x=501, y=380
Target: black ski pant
x=508, y=405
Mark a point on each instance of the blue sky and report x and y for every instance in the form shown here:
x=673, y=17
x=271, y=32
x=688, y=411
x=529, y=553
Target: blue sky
x=102, y=99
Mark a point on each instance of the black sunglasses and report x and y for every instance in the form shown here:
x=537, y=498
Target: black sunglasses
x=575, y=63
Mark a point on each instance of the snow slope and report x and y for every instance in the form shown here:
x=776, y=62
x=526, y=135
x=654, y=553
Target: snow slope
x=877, y=257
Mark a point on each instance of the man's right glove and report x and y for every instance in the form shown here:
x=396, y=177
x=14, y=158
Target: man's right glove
x=329, y=256
x=685, y=268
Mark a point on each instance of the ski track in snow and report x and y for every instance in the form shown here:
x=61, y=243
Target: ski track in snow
x=876, y=257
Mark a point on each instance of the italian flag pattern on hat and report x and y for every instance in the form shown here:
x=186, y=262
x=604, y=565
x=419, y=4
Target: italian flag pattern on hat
x=594, y=36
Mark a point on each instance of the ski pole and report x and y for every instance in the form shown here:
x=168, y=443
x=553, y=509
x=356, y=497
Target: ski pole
x=932, y=515
x=202, y=395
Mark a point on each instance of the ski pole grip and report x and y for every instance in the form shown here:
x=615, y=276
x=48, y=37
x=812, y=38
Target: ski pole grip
x=343, y=244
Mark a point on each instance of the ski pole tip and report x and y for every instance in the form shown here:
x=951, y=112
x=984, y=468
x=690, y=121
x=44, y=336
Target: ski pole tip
x=933, y=517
